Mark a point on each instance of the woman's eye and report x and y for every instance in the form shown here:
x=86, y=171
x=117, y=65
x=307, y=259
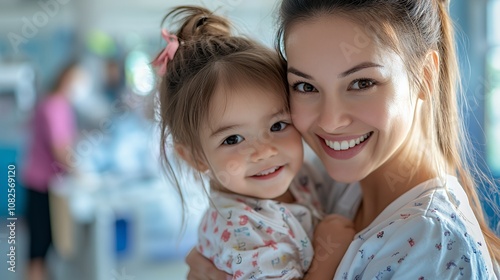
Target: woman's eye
x=304, y=87
x=232, y=140
x=362, y=84
x=279, y=126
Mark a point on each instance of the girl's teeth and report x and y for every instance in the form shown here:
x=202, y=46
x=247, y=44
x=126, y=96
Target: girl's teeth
x=267, y=172
x=345, y=145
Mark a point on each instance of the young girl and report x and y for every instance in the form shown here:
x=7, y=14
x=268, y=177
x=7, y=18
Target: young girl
x=386, y=72
x=223, y=100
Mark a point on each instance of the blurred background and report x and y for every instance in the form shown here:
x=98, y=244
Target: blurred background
x=116, y=216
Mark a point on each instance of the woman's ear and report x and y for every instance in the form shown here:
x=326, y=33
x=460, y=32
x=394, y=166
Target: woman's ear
x=188, y=156
x=430, y=74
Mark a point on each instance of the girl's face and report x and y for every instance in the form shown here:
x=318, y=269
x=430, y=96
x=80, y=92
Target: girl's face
x=250, y=145
x=350, y=97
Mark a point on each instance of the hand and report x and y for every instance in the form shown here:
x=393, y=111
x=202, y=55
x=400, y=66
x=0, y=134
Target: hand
x=201, y=268
x=337, y=226
x=332, y=238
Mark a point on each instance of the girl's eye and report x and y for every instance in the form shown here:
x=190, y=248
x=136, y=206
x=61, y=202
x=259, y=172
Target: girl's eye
x=232, y=140
x=362, y=84
x=279, y=126
x=304, y=87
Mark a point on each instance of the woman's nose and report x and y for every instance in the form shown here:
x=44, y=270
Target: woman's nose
x=333, y=115
x=263, y=151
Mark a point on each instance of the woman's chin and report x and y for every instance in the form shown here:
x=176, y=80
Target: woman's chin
x=343, y=176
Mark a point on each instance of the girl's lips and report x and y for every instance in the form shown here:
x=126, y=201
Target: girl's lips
x=344, y=152
x=269, y=173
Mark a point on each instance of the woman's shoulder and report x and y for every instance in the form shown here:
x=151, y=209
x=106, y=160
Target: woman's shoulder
x=434, y=229
x=443, y=201
x=421, y=247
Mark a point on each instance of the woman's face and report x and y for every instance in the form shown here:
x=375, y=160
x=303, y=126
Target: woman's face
x=350, y=97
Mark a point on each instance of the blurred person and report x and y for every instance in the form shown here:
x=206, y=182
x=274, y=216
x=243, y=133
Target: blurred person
x=114, y=79
x=53, y=131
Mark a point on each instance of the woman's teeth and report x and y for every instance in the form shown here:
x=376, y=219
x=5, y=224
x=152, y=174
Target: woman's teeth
x=268, y=171
x=345, y=145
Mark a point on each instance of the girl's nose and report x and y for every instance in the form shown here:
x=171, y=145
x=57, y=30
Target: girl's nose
x=263, y=151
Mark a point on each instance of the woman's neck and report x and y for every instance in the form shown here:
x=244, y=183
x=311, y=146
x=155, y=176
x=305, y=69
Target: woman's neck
x=388, y=183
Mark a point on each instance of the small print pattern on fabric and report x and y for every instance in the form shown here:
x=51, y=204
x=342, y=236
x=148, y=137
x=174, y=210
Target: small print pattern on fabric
x=255, y=238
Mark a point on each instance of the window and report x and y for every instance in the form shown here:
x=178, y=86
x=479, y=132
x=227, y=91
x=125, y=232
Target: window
x=492, y=104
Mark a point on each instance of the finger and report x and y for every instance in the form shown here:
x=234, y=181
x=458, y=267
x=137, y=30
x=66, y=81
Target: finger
x=337, y=218
x=191, y=257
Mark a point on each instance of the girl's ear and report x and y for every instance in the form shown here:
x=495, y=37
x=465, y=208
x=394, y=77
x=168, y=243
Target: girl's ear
x=188, y=156
x=430, y=74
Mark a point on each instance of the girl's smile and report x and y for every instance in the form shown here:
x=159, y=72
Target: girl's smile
x=268, y=173
x=250, y=145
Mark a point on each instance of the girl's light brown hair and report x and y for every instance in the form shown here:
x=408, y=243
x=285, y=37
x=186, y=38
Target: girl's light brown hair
x=209, y=57
x=413, y=28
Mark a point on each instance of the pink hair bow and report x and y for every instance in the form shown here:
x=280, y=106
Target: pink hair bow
x=168, y=53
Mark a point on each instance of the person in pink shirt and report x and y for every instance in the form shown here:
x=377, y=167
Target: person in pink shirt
x=53, y=131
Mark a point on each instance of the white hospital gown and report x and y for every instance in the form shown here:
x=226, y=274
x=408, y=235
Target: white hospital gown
x=428, y=233
x=253, y=238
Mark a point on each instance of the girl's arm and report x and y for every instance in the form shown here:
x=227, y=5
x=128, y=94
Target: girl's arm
x=332, y=238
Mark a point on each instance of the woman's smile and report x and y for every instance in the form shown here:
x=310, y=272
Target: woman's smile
x=345, y=149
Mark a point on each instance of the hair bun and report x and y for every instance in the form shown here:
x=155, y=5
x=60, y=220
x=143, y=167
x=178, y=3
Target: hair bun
x=198, y=22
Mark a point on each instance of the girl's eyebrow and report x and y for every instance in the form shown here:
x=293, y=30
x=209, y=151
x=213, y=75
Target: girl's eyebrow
x=229, y=127
x=279, y=113
x=344, y=74
x=223, y=129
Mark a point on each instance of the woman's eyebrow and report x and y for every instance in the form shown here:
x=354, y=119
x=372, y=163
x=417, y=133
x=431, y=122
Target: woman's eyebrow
x=357, y=68
x=344, y=74
x=298, y=73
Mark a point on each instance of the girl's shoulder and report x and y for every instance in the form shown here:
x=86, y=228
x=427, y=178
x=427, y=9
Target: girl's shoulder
x=237, y=210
